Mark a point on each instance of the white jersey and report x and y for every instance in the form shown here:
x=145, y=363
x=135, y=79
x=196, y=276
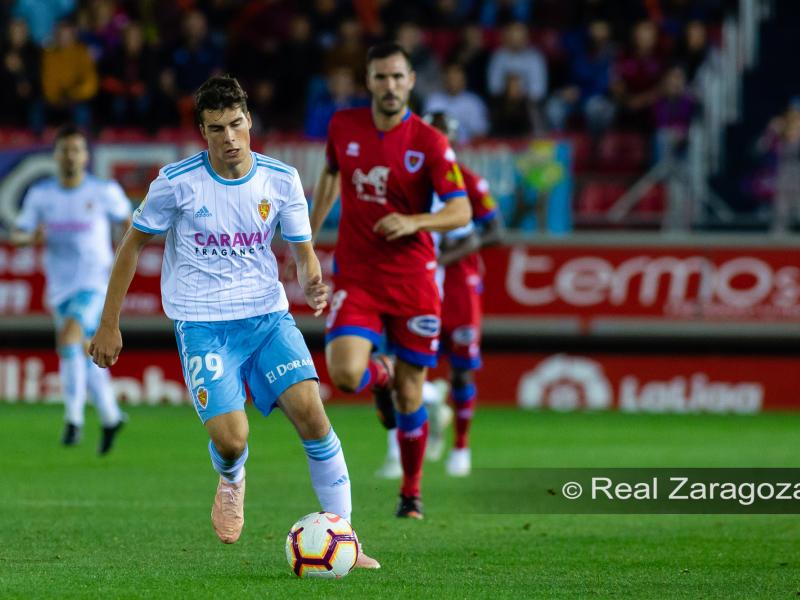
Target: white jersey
x=77, y=228
x=218, y=264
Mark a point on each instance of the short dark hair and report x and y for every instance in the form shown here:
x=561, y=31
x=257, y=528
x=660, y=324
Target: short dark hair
x=219, y=93
x=68, y=130
x=385, y=50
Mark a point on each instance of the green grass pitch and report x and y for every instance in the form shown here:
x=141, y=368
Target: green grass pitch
x=136, y=523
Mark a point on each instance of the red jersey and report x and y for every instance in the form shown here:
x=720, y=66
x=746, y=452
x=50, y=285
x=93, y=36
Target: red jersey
x=384, y=172
x=484, y=208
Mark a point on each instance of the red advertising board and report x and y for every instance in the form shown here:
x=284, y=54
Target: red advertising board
x=631, y=383
x=692, y=284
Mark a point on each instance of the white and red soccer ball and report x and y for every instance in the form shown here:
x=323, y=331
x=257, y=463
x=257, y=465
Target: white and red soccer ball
x=322, y=544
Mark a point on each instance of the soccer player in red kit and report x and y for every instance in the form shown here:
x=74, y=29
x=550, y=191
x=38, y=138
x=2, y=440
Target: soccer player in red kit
x=461, y=269
x=388, y=164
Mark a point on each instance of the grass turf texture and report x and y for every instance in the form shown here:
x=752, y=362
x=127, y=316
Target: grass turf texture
x=136, y=523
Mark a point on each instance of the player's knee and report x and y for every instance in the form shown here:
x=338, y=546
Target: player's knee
x=231, y=446
x=345, y=378
x=408, y=396
x=462, y=378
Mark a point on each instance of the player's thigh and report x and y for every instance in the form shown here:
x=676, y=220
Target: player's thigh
x=461, y=326
x=302, y=405
x=352, y=328
x=212, y=367
x=408, y=380
x=413, y=323
x=78, y=317
x=280, y=362
x=348, y=354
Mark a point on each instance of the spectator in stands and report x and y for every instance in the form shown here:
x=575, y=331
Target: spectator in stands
x=410, y=37
x=497, y=13
x=637, y=78
x=125, y=79
x=261, y=101
x=471, y=53
x=190, y=64
x=779, y=173
x=299, y=64
x=69, y=77
x=341, y=93
x=513, y=113
x=694, y=49
x=589, y=83
x=41, y=16
x=673, y=113
x=349, y=50
x=100, y=24
x=20, y=79
x=456, y=102
x=516, y=56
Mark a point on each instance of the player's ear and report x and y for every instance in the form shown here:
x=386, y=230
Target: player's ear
x=249, y=120
x=202, y=127
x=412, y=79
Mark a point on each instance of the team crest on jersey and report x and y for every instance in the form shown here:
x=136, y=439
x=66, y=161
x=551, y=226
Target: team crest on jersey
x=202, y=397
x=413, y=160
x=263, y=209
x=353, y=149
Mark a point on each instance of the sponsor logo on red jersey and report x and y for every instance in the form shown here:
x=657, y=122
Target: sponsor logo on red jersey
x=376, y=179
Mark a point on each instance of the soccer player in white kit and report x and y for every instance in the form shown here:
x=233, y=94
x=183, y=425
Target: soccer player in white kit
x=73, y=214
x=219, y=283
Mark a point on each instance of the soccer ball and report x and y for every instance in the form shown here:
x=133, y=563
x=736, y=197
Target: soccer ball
x=322, y=544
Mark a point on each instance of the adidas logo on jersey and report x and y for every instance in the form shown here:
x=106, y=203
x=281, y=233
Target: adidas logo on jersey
x=203, y=212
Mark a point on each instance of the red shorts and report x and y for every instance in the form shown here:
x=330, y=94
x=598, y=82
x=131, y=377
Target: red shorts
x=409, y=312
x=461, y=319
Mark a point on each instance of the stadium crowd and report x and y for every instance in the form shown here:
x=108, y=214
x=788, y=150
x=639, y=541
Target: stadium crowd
x=506, y=68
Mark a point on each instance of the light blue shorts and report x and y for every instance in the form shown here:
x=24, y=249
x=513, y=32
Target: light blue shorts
x=85, y=307
x=267, y=352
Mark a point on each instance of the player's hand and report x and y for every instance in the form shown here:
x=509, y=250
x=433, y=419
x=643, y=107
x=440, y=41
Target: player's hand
x=316, y=294
x=106, y=346
x=396, y=225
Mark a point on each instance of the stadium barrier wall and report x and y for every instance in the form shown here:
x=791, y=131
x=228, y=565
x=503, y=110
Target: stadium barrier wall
x=562, y=382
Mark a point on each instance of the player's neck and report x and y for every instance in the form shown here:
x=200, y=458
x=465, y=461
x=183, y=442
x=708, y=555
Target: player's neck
x=384, y=122
x=71, y=181
x=236, y=171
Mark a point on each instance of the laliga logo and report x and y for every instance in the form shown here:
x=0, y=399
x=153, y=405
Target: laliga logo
x=562, y=382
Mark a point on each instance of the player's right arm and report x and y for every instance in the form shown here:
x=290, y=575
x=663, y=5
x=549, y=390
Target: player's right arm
x=156, y=214
x=28, y=228
x=325, y=193
x=107, y=342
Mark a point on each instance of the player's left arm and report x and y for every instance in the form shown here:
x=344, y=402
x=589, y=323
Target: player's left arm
x=448, y=182
x=296, y=229
x=309, y=276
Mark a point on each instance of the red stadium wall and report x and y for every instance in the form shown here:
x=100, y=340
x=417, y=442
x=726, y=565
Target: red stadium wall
x=584, y=285
x=660, y=384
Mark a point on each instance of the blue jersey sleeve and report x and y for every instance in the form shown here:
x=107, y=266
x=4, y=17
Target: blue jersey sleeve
x=159, y=210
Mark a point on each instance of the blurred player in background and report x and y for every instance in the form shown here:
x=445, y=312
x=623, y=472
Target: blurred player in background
x=460, y=271
x=73, y=214
x=387, y=163
x=219, y=283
